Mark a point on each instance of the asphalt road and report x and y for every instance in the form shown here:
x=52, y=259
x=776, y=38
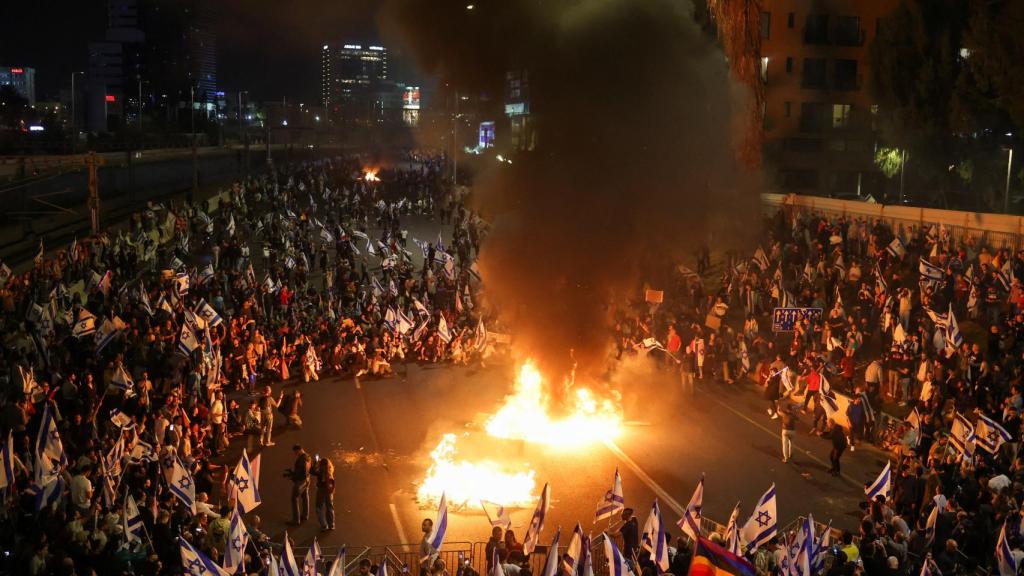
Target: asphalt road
x=379, y=432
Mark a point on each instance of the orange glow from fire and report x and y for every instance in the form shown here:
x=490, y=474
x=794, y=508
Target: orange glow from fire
x=370, y=174
x=525, y=415
x=464, y=481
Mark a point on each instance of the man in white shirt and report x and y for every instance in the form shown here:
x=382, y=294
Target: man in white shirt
x=81, y=490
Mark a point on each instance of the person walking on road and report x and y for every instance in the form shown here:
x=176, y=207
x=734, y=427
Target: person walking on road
x=325, y=494
x=788, y=431
x=299, y=475
x=267, y=406
x=838, y=436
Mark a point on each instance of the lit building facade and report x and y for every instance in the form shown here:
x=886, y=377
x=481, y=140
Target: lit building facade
x=22, y=79
x=818, y=118
x=351, y=77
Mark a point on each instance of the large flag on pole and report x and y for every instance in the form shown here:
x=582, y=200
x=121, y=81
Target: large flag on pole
x=242, y=485
x=532, y=537
x=732, y=532
x=654, y=540
x=500, y=517
x=238, y=538
x=882, y=486
x=617, y=565
x=48, y=443
x=312, y=559
x=338, y=566
x=196, y=563
x=762, y=525
x=289, y=567
x=551, y=561
x=574, y=551
x=132, y=521
x=181, y=484
x=690, y=522
x=989, y=434
x=1004, y=556
x=436, y=538
x=613, y=500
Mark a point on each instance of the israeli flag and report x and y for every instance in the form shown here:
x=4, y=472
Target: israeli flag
x=207, y=313
x=338, y=566
x=206, y=274
x=551, y=561
x=181, y=485
x=187, y=342
x=122, y=379
x=953, y=336
x=48, y=443
x=436, y=538
x=181, y=283
x=761, y=259
x=243, y=485
x=961, y=434
x=617, y=565
x=763, y=523
x=690, y=522
x=532, y=537
x=442, y=329
x=131, y=521
x=500, y=517
x=929, y=270
x=85, y=325
x=289, y=567
x=882, y=486
x=805, y=555
x=105, y=335
x=312, y=559
x=824, y=543
x=573, y=552
x=196, y=563
x=1004, y=555
x=929, y=526
x=404, y=323
x=732, y=532
x=613, y=500
x=989, y=434
x=653, y=538
x=420, y=308
x=48, y=484
x=481, y=343
x=439, y=245
x=896, y=248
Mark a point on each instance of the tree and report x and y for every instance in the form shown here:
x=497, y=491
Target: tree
x=993, y=51
x=739, y=27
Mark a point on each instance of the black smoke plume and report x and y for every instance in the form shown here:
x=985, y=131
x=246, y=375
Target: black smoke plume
x=634, y=163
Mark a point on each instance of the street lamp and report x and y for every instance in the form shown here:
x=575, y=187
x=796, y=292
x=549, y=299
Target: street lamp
x=1009, y=169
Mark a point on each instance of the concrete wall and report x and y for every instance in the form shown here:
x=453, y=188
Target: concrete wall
x=996, y=230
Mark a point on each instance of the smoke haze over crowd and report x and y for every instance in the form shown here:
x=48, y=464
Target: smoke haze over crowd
x=634, y=164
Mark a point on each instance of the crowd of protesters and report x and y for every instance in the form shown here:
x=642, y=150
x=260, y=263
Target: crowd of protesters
x=918, y=347
x=161, y=341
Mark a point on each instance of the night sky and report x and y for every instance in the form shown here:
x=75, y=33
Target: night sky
x=269, y=47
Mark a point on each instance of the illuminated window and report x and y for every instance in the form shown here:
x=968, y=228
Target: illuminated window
x=840, y=115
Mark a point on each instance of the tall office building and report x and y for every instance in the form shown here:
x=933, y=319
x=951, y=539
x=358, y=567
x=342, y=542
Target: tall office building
x=352, y=79
x=818, y=125
x=22, y=79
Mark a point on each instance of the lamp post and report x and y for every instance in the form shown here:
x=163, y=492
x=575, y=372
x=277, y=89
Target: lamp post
x=1009, y=170
x=74, y=118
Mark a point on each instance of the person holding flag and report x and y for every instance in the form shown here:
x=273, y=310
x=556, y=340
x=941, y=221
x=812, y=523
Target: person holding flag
x=532, y=537
x=612, y=501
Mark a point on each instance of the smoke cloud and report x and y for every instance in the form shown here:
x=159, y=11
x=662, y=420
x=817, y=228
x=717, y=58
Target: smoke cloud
x=634, y=164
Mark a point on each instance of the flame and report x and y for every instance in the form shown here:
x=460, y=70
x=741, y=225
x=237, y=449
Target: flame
x=370, y=174
x=464, y=481
x=525, y=415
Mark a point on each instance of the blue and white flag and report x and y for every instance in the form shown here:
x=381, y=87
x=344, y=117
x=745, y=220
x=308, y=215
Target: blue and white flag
x=586, y=561
x=761, y=259
x=207, y=313
x=824, y=543
x=1004, y=555
x=196, y=563
x=929, y=270
x=85, y=325
x=654, y=540
x=732, y=532
x=312, y=559
x=882, y=486
x=440, y=242
x=405, y=323
x=574, y=551
x=338, y=566
x=206, y=274
x=953, y=336
x=763, y=523
x=289, y=566
x=551, y=561
x=532, y=538
x=242, y=485
x=500, y=516
x=131, y=520
x=613, y=500
x=690, y=522
x=181, y=283
x=807, y=543
x=48, y=443
x=7, y=462
x=961, y=435
x=617, y=565
x=989, y=434
x=420, y=308
x=48, y=484
x=896, y=248
x=121, y=379
x=442, y=329
x=105, y=334
x=436, y=538
x=929, y=526
x=181, y=484
x=187, y=342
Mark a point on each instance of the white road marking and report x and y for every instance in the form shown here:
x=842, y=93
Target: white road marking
x=778, y=436
x=662, y=494
x=398, y=522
